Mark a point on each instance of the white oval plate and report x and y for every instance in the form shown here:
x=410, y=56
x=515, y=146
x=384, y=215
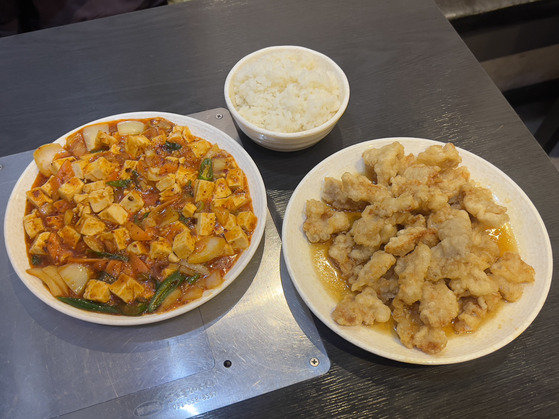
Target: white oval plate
x=530, y=232
x=14, y=235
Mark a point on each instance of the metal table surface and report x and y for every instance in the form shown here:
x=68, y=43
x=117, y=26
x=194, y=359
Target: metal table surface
x=410, y=75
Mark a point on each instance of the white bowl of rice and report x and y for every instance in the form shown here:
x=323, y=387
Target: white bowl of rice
x=286, y=98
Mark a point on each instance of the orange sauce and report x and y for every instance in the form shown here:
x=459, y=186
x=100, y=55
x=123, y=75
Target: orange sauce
x=504, y=237
x=329, y=275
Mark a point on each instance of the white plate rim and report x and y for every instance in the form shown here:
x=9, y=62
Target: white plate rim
x=14, y=233
x=311, y=185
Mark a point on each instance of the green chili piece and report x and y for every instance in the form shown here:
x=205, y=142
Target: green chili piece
x=206, y=170
x=113, y=256
x=122, y=183
x=105, y=277
x=168, y=286
x=89, y=305
x=134, y=309
x=192, y=279
x=183, y=219
x=36, y=260
x=170, y=146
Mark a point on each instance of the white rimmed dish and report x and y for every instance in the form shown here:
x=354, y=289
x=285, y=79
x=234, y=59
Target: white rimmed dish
x=280, y=141
x=513, y=318
x=14, y=235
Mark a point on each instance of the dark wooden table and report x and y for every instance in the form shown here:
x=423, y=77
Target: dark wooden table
x=410, y=75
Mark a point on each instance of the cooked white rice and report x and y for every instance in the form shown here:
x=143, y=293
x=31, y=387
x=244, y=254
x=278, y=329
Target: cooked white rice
x=286, y=91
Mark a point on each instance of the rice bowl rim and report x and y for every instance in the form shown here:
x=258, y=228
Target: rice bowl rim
x=341, y=77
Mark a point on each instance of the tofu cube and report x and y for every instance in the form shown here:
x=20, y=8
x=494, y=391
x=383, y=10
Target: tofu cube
x=132, y=201
x=70, y=188
x=127, y=168
x=239, y=199
x=121, y=238
x=203, y=190
x=222, y=203
x=205, y=223
x=235, y=179
x=160, y=249
x=183, y=244
x=170, y=192
x=78, y=166
x=97, y=291
x=189, y=210
x=50, y=186
x=93, y=186
x=38, y=198
x=221, y=189
x=106, y=139
x=114, y=213
x=81, y=198
x=99, y=169
x=167, y=182
x=138, y=248
x=33, y=224
x=90, y=225
x=153, y=174
x=39, y=246
x=101, y=198
x=200, y=147
x=126, y=288
x=56, y=164
x=135, y=145
x=247, y=220
x=69, y=235
x=226, y=219
x=83, y=208
x=237, y=238
x=185, y=175
x=115, y=149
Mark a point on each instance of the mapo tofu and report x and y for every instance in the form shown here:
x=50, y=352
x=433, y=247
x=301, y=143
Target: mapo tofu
x=136, y=216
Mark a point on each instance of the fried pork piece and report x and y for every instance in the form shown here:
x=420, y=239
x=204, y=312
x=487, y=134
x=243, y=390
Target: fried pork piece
x=407, y=238
x=472, y=281
x=413, y=332
x=347, y=255
x=393, y=205
x=364, y=308
x=438, y=305
x=445, y=157
x=376, y=267
x=479, y=202
x=474, y=310
x=485, y=251
x=333, y=194
x=411, y=270
x=451, y=253
x=385, y=162
x=322, y=221
x=509, y=273
x=450, y=182
x=372, y=230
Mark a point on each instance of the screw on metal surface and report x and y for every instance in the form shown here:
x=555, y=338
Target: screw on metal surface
x=219, y=116
x=314, y=362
